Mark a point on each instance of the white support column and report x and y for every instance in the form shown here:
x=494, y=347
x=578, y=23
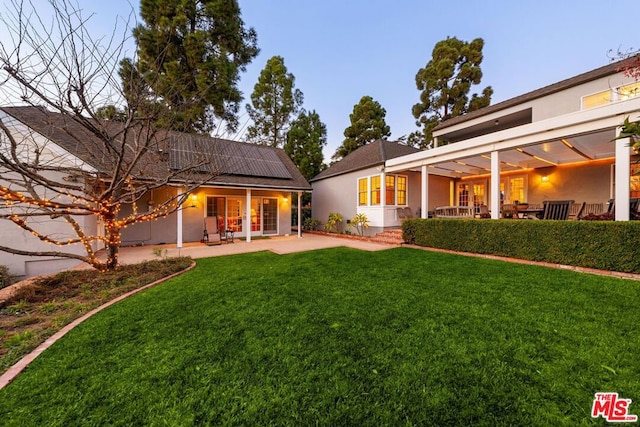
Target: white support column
x=179, y=217
x=424, y=207
x=383, y=196
x=247, y=222
x=495, y=185
x=622, y=177
x=299, y=214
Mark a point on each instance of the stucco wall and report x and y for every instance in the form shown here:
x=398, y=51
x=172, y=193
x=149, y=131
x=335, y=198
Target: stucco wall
x=337, y=194
x=584, y=183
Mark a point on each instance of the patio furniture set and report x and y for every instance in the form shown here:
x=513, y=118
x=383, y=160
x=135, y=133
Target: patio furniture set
x=550, y=209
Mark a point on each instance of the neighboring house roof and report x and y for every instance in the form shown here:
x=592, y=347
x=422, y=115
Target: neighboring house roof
x=373, y=154
x=234, y=163
x=604, y=71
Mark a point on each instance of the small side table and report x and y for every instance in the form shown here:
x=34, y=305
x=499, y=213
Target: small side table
x=228, y=234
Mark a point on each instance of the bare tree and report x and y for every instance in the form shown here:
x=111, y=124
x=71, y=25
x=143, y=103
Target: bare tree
x=62, y=164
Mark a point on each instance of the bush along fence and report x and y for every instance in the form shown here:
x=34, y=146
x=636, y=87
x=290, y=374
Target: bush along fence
x=604, y=245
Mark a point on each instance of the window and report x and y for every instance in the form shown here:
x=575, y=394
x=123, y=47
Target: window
x=620, y=93
x=215, y=206
x=375, y=190
x=402, y=190
x=513, y=188
x=596, y=100
x=390, y=190
x=463, y=194
x=363, y=191
x=395, y=190
x=479, y=194
x=628, y=91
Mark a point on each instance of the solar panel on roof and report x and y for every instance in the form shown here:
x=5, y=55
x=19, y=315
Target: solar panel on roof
x=226, y=157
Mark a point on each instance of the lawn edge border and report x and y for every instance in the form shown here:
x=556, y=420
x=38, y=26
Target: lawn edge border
x=18, y=367
x=578, y=269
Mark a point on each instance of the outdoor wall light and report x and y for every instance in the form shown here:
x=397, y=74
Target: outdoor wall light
x=194, y=200
x=545, y=178
x=285, y=200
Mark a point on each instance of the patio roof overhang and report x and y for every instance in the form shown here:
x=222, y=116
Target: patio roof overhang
x=582, y=136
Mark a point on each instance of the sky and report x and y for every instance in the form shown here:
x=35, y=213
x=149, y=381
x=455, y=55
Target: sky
x=342, y=50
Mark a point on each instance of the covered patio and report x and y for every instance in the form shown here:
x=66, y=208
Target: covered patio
x=510, y=158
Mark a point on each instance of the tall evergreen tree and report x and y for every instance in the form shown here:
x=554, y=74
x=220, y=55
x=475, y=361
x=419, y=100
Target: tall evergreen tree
x=274, y=102
x=367, y=125
x=445, y=83
x=305, y=141
x=190, y=55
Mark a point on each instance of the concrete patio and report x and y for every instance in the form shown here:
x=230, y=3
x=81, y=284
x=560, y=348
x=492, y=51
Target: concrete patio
x=278, y=245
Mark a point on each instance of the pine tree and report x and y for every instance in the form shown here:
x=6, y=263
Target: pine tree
x=445, y=83
x=367, y=125
x=274, y=102
x=305, y=141
x=190, y=55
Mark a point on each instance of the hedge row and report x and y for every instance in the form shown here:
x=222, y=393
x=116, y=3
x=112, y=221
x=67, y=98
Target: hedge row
x=606, y=245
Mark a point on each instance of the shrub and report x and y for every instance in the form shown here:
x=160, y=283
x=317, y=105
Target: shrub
x=334, y=222
x=311, y=224
x=606, y=245
x=360, y=222
x=6, y=278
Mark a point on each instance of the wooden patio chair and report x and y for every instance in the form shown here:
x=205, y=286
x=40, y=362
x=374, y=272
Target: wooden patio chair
x=634, y=204
x=401, y=215
x=407, y=212
x=510, y=211
x=211, y=231
x=592, y=209
x=556, y=209
x=482, y=211
x=577, y=210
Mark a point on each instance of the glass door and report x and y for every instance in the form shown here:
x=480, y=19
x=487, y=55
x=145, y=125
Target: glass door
x=270, y=216
x=256, y=217
x=234, y=215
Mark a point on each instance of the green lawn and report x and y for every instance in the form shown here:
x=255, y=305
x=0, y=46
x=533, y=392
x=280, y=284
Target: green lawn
x=344, y=337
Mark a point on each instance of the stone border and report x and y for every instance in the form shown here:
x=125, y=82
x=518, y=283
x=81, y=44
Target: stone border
x=12, y=373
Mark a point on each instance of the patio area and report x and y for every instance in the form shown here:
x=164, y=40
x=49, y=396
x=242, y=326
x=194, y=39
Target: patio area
x=277, y=244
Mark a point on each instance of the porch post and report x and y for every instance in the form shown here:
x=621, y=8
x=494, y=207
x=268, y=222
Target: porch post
x=247, y=222
x=424, y=206
x=179, y=216
x=495, y=185
x=383, y=196
x=622, y=177
x=299, y=214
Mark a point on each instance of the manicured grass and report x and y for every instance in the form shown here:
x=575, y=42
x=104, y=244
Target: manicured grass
x=40, y=309
x=343, y=337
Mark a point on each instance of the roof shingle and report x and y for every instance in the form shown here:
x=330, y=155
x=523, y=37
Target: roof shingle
x=373, y=154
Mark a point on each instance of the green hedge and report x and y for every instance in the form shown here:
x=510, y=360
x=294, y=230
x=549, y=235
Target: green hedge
x=606, y=245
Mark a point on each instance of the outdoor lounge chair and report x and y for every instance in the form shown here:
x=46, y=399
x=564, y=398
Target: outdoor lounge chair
x=556, y=209
x=211, y=231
